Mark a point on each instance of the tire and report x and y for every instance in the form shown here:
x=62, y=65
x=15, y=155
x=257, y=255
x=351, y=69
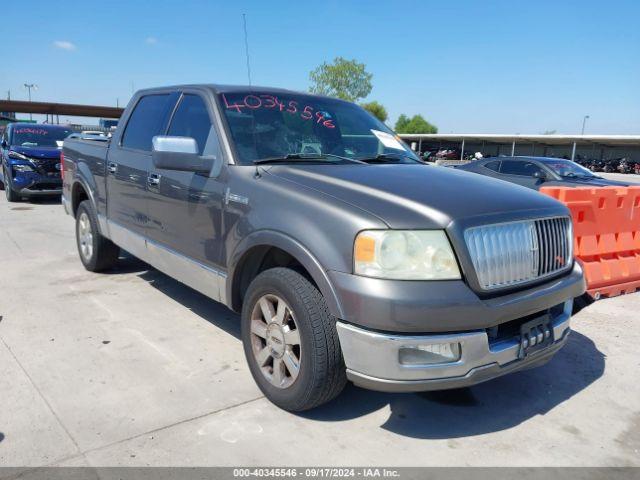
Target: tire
x=321, y=374
x=9, y=192
x=97, y=253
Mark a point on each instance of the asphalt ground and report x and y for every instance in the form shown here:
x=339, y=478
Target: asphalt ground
x=131, y=368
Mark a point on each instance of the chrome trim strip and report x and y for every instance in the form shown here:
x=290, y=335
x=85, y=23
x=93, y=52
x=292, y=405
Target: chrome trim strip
x=377, y=354
x=204, y=279
x=128, y=240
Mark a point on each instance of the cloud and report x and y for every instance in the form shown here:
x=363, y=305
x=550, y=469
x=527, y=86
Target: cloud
x=64, y=45
x=151, y=40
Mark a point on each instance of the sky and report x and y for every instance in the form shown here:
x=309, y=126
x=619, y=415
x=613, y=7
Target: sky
x=487, y=66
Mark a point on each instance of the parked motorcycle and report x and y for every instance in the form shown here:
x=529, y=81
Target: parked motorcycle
x=596, y=165
x=448, y=154
x=583, y=161
x=627, y=165
x=611, y=165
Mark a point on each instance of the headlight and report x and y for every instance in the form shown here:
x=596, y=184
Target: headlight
x=17, y=156
x=22, y=168
x=405, y=255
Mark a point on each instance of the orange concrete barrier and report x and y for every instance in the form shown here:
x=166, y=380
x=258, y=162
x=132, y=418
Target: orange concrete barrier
x=606, y=230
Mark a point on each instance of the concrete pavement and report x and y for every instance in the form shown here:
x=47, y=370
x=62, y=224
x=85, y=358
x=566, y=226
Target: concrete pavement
x=133, y=368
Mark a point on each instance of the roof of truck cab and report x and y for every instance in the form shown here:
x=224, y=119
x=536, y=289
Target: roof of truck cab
x=245, y=88
x=217, y=88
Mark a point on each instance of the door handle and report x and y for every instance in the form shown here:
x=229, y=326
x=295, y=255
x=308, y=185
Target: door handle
x=113, y=167
x=153, y=179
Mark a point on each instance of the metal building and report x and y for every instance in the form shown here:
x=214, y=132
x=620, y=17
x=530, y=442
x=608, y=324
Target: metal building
x=567, y=146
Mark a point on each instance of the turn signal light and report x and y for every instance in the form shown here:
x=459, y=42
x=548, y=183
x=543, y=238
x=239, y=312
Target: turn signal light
x=365, y=249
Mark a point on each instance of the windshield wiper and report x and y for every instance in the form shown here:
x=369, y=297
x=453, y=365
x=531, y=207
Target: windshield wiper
x=389, y=158
x=305, y=157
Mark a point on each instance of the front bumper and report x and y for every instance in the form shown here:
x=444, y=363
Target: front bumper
x=40, y=192
x=416, y=307
x=32, y=184
x=373, y=360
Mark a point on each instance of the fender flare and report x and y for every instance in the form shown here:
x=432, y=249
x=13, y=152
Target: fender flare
x=272, y=238
x=82, y=178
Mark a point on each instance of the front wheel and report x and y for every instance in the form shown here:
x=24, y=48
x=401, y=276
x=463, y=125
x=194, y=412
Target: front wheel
x=9, y=192
x=97, y=253
x=290, y=341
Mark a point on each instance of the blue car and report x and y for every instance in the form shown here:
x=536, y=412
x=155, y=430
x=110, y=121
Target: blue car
x=30, y=160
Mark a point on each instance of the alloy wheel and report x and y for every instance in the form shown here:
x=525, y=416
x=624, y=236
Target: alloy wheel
x=275, y=341
x=85, y=236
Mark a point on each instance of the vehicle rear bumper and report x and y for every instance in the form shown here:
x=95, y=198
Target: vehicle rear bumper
x=373, y=358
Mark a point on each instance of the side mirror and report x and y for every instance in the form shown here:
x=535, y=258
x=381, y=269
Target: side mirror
x=4, y=144
x=540, y=175
x=180, y=154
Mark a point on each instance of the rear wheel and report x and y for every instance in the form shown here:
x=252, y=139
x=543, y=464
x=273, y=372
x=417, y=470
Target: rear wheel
x=290, y=341
x=97, y=253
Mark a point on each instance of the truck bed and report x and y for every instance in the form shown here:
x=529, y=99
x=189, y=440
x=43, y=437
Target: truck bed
x=85, y=159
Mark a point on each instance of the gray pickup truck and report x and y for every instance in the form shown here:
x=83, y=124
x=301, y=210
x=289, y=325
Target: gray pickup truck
x=348, y=258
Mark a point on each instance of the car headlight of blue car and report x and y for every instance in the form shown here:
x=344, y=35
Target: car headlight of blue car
x=18, y=156
x=20, y=167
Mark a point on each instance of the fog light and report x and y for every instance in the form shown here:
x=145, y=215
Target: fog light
x=430, y=354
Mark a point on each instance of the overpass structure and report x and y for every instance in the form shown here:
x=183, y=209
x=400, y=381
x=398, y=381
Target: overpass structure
x=570, y=146
x=57, y=109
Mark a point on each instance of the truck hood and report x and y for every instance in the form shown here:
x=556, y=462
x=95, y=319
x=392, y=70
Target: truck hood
x=420, y=196
x=37, y=152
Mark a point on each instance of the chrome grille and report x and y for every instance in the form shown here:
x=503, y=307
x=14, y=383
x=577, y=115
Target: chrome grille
x=508, y=254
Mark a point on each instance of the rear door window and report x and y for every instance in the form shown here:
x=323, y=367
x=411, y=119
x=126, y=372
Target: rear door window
x=146, y=121
x=518, y=167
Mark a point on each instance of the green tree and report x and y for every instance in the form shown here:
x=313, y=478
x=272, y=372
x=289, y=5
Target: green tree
x=415, y=124
x=345, y=79
x=376, y=109
x=401, y=123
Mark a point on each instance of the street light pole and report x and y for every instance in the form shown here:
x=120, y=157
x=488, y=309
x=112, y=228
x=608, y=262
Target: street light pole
x=29, y=86
x=584, y=121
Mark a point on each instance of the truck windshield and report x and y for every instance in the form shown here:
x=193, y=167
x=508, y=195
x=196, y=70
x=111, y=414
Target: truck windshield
x=35, y=136
x=297, y=126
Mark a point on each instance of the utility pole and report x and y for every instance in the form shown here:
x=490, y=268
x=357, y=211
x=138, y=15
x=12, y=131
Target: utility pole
x=30, y=86
x=584, y=121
